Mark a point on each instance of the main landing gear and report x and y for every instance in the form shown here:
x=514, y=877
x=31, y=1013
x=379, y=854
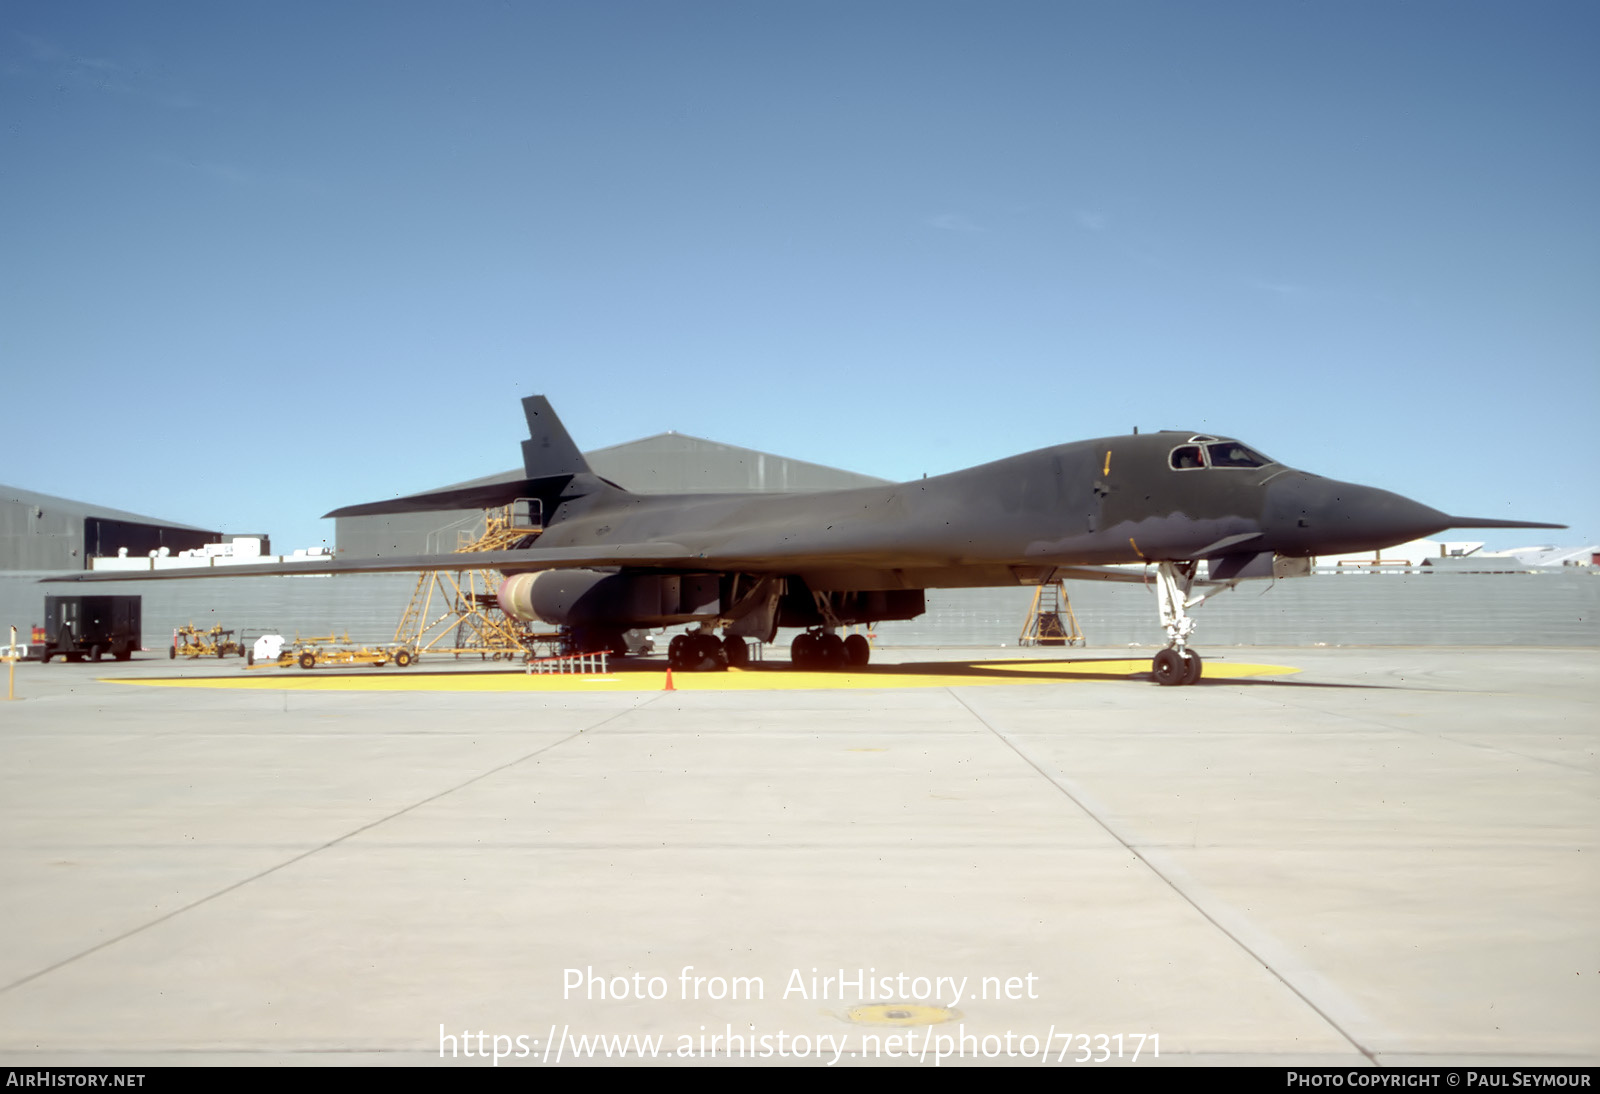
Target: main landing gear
x=1177, y=664
x=703, y=651
x=816, y=650
x=822, y=651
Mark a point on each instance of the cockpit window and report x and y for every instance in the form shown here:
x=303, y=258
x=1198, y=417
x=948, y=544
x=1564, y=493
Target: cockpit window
x=1234, y=454
x=1187, y=458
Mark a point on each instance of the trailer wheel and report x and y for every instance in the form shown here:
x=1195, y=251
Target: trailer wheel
x=307, y=660
x=402, y=658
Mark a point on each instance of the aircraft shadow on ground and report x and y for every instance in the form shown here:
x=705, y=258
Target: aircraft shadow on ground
x=1021, y=671
x=1030, y=671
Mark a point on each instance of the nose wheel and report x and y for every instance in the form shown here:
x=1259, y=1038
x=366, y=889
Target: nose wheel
x=1172, y=668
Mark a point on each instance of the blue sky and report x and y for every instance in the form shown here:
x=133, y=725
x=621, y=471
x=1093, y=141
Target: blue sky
x=262, y=260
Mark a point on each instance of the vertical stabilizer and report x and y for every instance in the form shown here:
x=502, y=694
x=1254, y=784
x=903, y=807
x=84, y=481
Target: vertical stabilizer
x=548, y=451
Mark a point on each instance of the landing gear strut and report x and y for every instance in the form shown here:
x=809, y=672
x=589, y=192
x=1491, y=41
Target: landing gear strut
x=1177, y=664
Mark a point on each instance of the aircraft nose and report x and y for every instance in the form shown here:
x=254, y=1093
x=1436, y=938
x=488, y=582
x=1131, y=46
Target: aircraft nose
x=1308, y=515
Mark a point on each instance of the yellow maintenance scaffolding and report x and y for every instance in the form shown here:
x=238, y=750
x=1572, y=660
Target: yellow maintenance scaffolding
x=458, y=612
x=1051, y=621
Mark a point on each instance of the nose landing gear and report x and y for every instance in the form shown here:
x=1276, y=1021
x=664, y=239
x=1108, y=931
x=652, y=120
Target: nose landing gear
x=1177, y=664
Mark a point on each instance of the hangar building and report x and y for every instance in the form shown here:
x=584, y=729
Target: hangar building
x=40, y=532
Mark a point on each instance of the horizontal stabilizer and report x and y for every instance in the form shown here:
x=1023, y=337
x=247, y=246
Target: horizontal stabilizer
x=470, y=497
x=549, y=459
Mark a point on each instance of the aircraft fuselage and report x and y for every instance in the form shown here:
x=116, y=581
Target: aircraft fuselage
x=1107, y=501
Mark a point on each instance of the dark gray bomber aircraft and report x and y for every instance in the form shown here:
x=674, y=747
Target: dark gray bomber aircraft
x=609, y=560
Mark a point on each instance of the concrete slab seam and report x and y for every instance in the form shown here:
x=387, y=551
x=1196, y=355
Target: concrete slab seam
x=1331, y=1004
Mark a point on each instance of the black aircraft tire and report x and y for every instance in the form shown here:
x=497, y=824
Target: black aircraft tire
x=95, y=652
x=1191, y=668
x=44, y=658
x=802, y=652
x=738, y=652
x=857, y=650
x=172, y=653
x=678, y=651
x=1168, y=668
x=830, y=652
x=707, y=653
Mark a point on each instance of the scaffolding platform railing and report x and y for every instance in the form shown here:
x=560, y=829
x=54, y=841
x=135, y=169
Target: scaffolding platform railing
x=577, y=663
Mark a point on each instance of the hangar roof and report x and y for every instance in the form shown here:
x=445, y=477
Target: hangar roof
x=677, y=463
x=66, y=506
x=670, y=463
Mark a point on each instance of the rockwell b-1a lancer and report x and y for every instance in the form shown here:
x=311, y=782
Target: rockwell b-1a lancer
x=609, y=560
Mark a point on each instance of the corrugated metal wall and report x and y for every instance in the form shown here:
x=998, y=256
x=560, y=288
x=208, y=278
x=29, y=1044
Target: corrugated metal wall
x=1555, y=608
x=1558, y=608
x=34, y=536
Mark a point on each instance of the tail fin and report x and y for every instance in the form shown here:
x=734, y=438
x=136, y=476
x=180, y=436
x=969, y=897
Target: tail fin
x=549, y=450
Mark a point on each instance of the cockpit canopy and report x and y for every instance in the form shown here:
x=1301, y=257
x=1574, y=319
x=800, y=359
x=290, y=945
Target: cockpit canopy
x=1202, y=452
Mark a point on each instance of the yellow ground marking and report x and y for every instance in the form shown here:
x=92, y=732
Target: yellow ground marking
x=925, y=674
x=900, y=1014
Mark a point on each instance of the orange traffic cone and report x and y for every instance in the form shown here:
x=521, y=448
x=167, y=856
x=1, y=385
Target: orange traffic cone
x=669, y=686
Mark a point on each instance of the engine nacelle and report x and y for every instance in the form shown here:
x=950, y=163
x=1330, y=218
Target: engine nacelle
x=586, y=598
